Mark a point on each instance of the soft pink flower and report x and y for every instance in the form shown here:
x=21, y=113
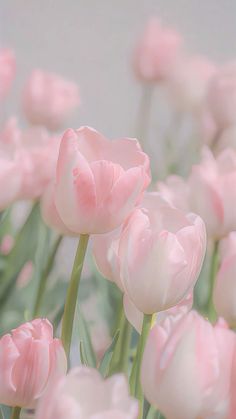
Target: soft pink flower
x=186, y=368
x=49, y=212
x=225, y=283
x=29, y=359
x=7, y=71
x=161, y=251
x=48, y=99
x=221, y=96
x=7, y=244
x=188, y=81
x=84, y=394
x=157, y=52
x=98, y=181
x=175, y=191
x=25, y=274
x=212, y=186
x=135, y=317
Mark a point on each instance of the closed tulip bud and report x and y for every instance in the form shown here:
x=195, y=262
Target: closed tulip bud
x=187, y=366
x=7, y=71
x=161, y=251
x=83, y=393
x=225, y=283
x=221, y=96
x=212, y=186
x=48, y=99
x=157, y=52
x=98, y=181
x=29, y=359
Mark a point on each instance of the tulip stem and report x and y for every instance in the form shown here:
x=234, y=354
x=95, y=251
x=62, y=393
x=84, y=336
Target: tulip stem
x=72, y=294
x=144, y=113
x=135, y=385
x=212, y=315
x=44, y=277
x=120, y=357
x=15, y=412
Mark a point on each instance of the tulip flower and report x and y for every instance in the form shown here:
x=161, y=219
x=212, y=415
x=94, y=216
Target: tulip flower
x=161, y=251
x=98, y=181
x=186, y=368
x=212, y=186
x=221, y=95
x=188, y=82
x=157, y=52
x=7, y=71
x=84, y=394
x=48, y=99
x=29, y=359
x=224, y=295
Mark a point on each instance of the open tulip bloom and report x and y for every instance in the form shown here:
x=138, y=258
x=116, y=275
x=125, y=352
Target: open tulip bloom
x=118, y=269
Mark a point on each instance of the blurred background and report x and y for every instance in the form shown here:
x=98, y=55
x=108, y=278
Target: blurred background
x=91, y=42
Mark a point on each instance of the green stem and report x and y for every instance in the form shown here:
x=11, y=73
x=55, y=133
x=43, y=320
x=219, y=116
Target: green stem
x=72, y=294
x=44, y=277
x=212, y=315
x=15, y=412
x=135, y=385
x=120, y=357
x=144, y=113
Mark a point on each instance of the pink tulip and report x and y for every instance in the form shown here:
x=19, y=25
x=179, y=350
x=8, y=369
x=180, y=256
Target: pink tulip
x=83, y=393
x=98, y=181
x=188, y=81
x=221, y=96
x=186, y=368
x=135, y=317
x=212, y=187
x=49, y=212
x=7, y=244
x=29, y=359
x=7, y=71
x=175, y=191
x=48, y=99
x=225, y=283
x=161, y=251
x=157, y=52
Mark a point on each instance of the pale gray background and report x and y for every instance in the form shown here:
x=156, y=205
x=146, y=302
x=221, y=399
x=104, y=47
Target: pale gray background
x=90, y=41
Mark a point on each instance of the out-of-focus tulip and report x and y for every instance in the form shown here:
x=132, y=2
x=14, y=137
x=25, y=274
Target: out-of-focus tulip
x=48, y=99
x=186, y=368
x=188, y=80
x=7, y=71
x=207, y=127
x=135, y=317
x=212, y=186
x=224, y=295
x=98, y=181
x=221, y=95
x=157, y=52
x=83, y=393
x=25, y=275
x=175, y=191
x=227, y=139
x=7, y=244
x=161, y=251
x=29, y=359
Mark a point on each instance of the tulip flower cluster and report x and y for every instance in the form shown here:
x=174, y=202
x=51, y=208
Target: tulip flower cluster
x=146, y=325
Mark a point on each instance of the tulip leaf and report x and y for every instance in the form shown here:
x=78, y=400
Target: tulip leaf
x=5, y=412
x=106, y=360
x=85, y=339
x=83, y=357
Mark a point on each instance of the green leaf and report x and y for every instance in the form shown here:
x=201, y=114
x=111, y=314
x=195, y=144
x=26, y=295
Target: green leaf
x=23, y=251
x=86, y=340
x=83, y=357
x=5, y=412
x=106, y=360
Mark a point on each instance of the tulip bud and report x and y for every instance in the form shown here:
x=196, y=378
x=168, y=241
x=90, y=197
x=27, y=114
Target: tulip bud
x=84, y=394
x=98, y=181
x=186, y=368
x=48, y=99
x=29, y=359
